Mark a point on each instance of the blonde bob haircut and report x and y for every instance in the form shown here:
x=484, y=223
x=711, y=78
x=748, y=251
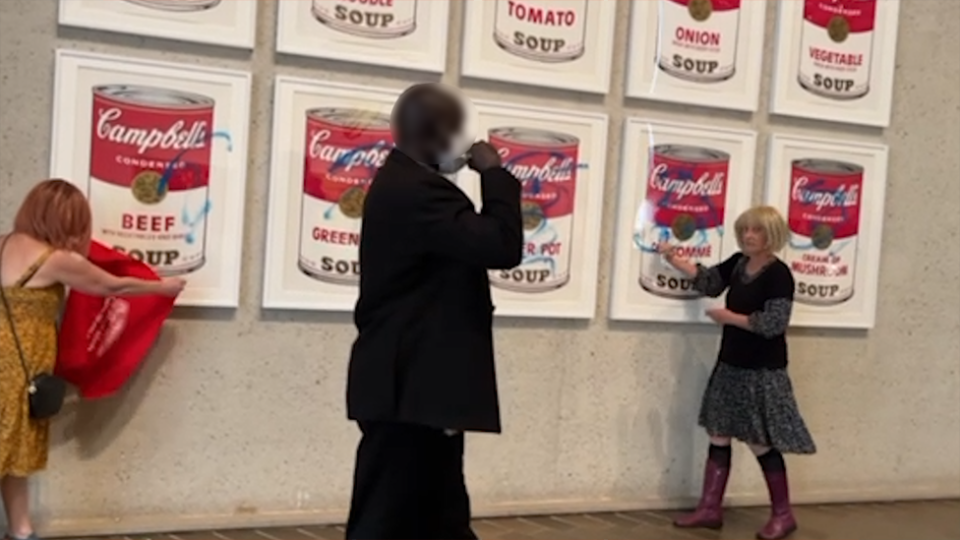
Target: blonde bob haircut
x=768, y=220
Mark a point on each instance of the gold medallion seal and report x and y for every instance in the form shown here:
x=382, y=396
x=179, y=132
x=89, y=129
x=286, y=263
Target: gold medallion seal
x=822, y=236
x=838, y=29
x=146, y=187
x=351, y=202
x=532, y=215
x=683, y=227
x=700, y=10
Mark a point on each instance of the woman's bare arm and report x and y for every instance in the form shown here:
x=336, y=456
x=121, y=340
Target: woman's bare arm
x=78, y=273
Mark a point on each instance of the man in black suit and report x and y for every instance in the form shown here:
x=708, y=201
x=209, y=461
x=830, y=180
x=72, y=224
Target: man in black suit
x=422, y=369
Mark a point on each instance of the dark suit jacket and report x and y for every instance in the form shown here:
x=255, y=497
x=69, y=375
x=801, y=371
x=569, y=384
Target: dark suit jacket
x=424, y=353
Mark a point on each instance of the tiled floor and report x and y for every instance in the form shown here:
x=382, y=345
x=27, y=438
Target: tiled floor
x=933, y=520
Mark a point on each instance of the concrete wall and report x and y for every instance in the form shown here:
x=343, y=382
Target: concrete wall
x=239, y=416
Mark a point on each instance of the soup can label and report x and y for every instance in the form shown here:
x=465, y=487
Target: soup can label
x=150, y=154
x=836, y=47
x=177, y=5
x=698, y=39
x=372, y=19
x=344, y=149
x=824, y=220
x=546, y=163
x=685, y=207
x=547, y=31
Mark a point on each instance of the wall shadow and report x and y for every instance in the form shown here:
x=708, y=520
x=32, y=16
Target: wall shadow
x=94, y=424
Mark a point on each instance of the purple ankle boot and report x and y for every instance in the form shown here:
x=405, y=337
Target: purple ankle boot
x=782, y=522
x=709, y=513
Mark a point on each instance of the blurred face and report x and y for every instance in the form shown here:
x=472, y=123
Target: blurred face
x=449, y=125
x=754, y=240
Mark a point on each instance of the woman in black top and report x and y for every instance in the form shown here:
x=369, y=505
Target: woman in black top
x=749, y=396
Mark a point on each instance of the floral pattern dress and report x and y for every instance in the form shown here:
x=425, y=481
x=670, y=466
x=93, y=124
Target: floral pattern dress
x=23, y=440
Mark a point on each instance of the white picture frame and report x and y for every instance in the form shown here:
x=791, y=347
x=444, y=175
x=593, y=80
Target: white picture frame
x=409, y=34
x=839, y=300
x=720, y=163
x=166, y=198
x=713, y=60
x=314, y=264
x=540, y=141
x=574, y=56
x=809, y=57
x=229, y=23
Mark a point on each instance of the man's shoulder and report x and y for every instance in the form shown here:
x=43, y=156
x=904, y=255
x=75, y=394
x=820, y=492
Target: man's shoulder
x=401, y=176
x=411, y=190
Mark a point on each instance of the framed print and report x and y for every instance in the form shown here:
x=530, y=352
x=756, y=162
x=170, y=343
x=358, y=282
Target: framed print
x=835, y=60
x=832, y=195
x=559, y=157
x=685, y=185
x=160, y=149
x=230, y=23
x=698, y=52
x=410, y=34
x=329, y=139
x=554, y=43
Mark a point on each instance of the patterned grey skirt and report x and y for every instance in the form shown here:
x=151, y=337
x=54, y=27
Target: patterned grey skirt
x=755, y=406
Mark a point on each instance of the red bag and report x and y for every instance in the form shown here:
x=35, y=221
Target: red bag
x=103, y=340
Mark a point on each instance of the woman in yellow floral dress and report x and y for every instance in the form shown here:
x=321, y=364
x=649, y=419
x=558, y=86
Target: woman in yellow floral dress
x=43, y=254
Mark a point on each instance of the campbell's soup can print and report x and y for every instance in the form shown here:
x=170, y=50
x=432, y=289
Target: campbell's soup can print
x=344, y=150
x=150, y=174
x=824, y=219
x=686, y=196
x=177, y=5
x=836, y=47
x=548, y=31
x=546, y=163
x=373, y=19
x=698, y=39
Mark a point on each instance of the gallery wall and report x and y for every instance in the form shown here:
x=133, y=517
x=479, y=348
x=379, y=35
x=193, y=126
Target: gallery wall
x=238, y=416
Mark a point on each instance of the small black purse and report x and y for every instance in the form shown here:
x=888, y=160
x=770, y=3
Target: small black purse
x=45, y=391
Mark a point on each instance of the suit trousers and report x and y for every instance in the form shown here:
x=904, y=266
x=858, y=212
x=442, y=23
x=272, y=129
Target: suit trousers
x=408, y=484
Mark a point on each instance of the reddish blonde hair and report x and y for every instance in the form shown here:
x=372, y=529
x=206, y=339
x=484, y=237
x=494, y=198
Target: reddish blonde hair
x=56, y=212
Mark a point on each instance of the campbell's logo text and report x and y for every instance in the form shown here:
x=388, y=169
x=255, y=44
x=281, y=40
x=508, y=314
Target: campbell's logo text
x=178, y=136
x=708, y=184
x=553, y=169
x=807, y=193
x=346, y=158
x=838, y=7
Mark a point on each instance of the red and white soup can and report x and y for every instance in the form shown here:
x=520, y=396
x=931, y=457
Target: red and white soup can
x=547, y=31
x=372, y=19
x=343, y=150
x=177, y=5
x=824, y=219
x=685, y=207
x=150, y=151
x=546, y=162
x=698, y=39
x=836, y=47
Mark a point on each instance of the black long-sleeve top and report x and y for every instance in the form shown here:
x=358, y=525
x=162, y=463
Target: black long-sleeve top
x=765, y=297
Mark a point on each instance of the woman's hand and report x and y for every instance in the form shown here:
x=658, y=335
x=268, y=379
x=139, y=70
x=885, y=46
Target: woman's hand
x=671, y=255
x=719, y=315
x=172, y=286
x=668, y=252
x=724, y=316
